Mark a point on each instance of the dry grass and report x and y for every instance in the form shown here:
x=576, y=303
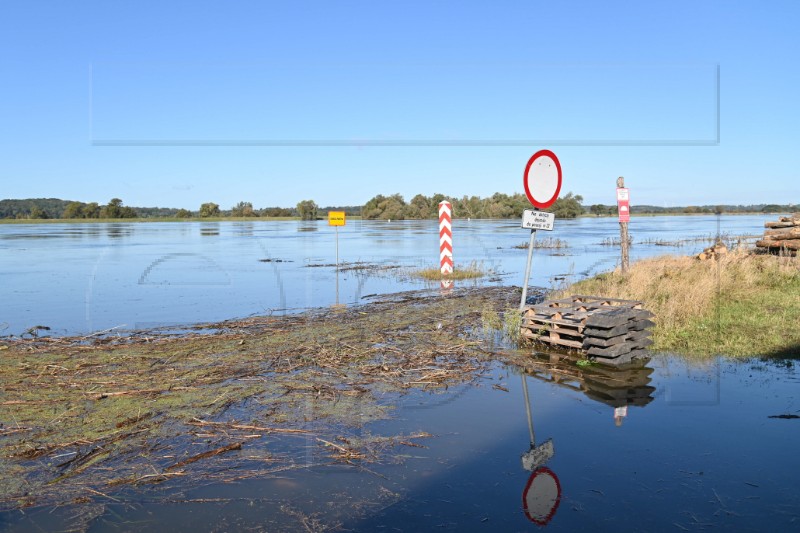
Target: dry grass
x=742, y=304
x=547, y=243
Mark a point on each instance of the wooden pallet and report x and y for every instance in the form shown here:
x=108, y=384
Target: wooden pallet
x=605, y=328
x=613, y=385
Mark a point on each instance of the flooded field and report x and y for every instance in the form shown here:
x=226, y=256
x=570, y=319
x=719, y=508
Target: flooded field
x=397, y=412
x=82, y=278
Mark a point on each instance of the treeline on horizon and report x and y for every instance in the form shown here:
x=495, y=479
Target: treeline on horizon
x=380, y=207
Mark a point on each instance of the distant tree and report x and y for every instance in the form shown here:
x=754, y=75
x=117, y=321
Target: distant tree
x=276, y=212
x=38, y=212
x=243, y=209
x=598, y=209
x=73, y=210
x=419, y=207
x=371, y=209
x=568, y=206
x=394, y=208
x=307, y=210
x=209, y=209
x=112, y=210
x=501, y=205
x=91, y=210
x=183, y=213
x=385, y=207
x=470, y=207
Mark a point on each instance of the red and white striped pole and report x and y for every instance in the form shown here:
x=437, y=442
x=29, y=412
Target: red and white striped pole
x=445, y=238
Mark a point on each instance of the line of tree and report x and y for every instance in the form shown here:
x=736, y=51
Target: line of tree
x=392, y=207
x=499, y=205
x=43, y=208
x=33, y=208
x=114, y=209
x=603, y=209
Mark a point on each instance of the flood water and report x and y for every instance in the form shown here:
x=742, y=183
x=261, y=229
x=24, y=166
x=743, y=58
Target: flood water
x=83, y=278
x=694, y=448
x=671, y=445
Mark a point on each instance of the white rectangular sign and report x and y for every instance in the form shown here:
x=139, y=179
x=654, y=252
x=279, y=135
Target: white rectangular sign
x=622, y=194
x=537, y=220
x=538, y=456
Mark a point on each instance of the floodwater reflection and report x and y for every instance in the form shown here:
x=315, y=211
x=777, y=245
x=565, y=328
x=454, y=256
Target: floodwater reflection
x=55, y=293
x=616, y=387
x=209, y=229
x=116, y=231
x=730, y=466
x=542, y=494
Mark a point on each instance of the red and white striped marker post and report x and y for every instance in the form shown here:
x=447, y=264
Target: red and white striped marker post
x=445, y=238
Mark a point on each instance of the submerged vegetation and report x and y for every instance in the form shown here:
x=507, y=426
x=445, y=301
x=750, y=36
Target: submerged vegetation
x=473, y=270
x=740, y=304
x=548, y=243
x=83, y=418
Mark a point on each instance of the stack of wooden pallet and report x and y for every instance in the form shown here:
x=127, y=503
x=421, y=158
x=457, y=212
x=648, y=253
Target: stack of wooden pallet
x=613, y=386
x=782, y=235
x=609, y=330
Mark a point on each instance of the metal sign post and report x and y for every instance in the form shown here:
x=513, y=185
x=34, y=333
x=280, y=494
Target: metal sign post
x=336, y=219
x=542, y=182
x=527, y=271
x=533, y=220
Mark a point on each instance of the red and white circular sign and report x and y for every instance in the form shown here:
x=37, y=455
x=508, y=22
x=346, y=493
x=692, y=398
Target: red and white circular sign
x=541, y=496
x=542, y=179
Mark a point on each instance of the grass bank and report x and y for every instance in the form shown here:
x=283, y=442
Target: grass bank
x=740, y=305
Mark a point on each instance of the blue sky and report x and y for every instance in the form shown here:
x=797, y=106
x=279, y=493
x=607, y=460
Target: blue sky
x=179, y=103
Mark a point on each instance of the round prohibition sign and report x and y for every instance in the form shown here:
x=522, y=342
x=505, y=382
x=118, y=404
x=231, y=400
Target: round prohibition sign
x=542, y=179
x=541, y=496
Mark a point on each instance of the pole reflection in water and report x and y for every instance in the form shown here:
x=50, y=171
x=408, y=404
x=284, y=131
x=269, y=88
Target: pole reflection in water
x=616, y=387
x=542, y=493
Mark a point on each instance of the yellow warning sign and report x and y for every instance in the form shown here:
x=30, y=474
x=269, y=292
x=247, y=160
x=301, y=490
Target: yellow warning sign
x=336, y=218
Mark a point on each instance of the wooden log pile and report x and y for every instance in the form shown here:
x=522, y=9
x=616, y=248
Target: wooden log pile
x=608, y=330
x=784, y=234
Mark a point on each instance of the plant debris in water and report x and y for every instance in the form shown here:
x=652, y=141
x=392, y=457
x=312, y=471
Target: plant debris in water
x=548, y=243
x=358, y=266
x=84, y=418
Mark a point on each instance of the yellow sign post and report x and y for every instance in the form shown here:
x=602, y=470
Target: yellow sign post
x=336, y=218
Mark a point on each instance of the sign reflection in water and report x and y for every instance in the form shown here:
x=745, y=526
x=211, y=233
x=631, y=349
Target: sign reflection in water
x=616, y=387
